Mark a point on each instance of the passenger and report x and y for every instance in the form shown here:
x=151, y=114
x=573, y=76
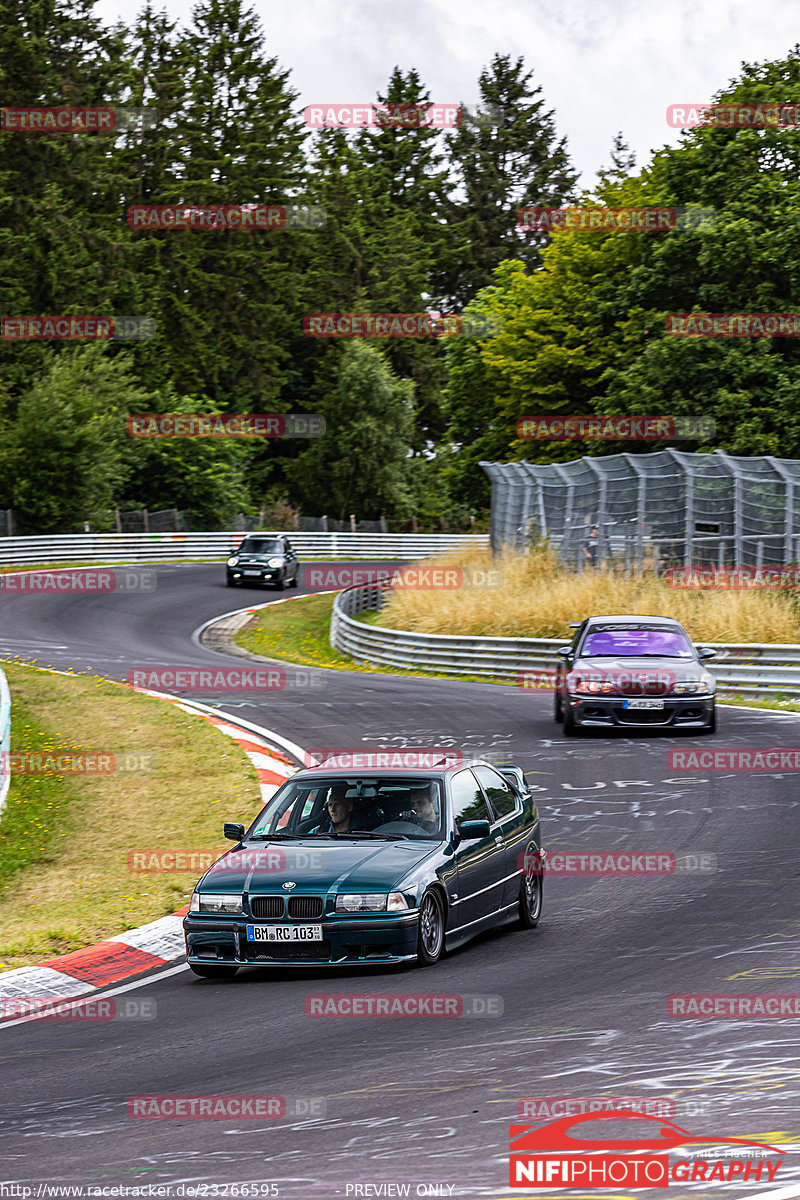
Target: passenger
x=338, y=813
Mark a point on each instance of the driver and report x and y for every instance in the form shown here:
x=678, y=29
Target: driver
x=423, y=811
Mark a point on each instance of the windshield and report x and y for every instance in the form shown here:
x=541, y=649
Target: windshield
x=360, y=806
x=260, y=546
x=629, y=641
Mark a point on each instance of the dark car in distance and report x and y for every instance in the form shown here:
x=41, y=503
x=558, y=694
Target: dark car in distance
x=634, y=672
x=263, y=558
x=346, y=867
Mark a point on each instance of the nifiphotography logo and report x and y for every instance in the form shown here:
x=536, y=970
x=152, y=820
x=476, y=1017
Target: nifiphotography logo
x=552, y=1156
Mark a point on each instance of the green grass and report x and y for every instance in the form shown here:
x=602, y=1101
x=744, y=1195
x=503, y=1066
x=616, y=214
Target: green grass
x=65, y=840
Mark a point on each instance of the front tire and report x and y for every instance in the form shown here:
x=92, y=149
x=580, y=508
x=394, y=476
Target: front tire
x=430, y=938
x=570, y=724
x=558, y=709
x=711, y=727
x=281, y=584
x=212, y=972
x=232, y=582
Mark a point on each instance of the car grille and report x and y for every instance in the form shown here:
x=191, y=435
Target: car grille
x=645, y=716
x=288, y=951
x=305, y=906
x=266, y=906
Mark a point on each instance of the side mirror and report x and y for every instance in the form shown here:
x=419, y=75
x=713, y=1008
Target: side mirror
x=232, y=831
x=706, y=652
x=231, y=552
x=472, y=830
x=564, y=651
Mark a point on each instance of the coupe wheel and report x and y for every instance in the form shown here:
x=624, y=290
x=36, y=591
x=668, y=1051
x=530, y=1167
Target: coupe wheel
x=281, y=583
x=570, y=724
x=213, y=972
x=711, y=727
x=296, y=579
x=530, y=900
x=232, y=582
x=430, y=938
x=558, y=711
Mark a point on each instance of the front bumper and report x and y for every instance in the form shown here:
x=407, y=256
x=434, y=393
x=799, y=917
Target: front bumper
x=262, y=575
x=683, y=712
x=345, y=941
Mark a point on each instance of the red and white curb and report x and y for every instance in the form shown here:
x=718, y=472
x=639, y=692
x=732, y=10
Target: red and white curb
x=159, y=942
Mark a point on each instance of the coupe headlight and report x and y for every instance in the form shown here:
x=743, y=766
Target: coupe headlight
x=370, y=902
x=604, y=686
x=232, y=562
x=275, y=562
x=214, y=902
x=692, y=687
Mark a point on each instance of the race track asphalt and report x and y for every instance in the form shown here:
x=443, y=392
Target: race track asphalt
x=427, y=1101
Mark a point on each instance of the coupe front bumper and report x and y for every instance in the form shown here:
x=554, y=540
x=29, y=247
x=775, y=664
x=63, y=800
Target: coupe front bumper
x=349, y=940
x=684, y=712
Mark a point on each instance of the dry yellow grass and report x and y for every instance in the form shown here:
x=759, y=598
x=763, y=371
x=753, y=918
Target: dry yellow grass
x=538, y=598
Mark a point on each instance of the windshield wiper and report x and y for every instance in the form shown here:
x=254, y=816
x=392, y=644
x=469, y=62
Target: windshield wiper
x=275, y=837
x=368, y=833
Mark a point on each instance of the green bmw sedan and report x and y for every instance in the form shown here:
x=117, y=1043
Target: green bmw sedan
x=347, y=867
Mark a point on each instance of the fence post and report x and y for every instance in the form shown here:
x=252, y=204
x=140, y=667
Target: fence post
x=414, y=525
x=324, y=523
x=145, y=521
x=117, y=521
x=383, y=524
x=352, y=522
x=175, y=524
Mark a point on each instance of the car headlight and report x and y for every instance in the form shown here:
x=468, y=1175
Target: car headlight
x=232, y=562
x=370, y=902
x=692, y=687
x=275, y=562
x=604, y=686
x=215, y=902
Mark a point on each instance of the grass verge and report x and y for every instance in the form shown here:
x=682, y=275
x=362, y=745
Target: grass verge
x=65, y=881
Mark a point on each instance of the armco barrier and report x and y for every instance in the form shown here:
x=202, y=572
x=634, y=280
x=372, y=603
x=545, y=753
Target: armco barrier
x=759, y=669
x=150, y=547
x=5, y=738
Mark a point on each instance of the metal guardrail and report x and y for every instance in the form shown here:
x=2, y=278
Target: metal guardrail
x=5, y=739
x=758, y=669
x=151, y=547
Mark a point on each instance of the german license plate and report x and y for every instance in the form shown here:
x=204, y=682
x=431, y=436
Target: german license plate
x=642, y=703
x=284, y=933
x=251, y=572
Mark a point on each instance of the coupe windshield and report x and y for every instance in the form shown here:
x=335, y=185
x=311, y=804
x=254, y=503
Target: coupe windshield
x=260, y=546
x=358, y=807
x=631, y=641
